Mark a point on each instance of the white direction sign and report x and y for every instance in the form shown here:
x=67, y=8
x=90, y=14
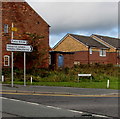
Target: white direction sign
x=19, y=41
x=20, y=48
x=84, y=74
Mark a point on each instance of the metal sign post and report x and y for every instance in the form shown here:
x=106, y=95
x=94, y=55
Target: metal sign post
x=21, y=47
x=12, y=59
x=12, y=68
x=24, y=69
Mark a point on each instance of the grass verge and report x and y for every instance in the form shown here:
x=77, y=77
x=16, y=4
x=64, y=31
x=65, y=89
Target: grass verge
x=100, y=85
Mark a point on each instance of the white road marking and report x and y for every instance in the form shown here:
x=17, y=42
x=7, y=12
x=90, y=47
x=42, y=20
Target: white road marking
x=99, y=116
x=13, y=99
x=53, y=107
x=3, y=98
x=76, y=111
x=32, y=103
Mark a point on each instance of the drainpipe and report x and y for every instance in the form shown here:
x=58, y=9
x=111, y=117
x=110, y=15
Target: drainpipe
x=117, y=56
x=88, y=55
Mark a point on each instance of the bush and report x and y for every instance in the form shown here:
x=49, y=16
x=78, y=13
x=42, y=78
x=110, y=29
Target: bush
x=99, y=72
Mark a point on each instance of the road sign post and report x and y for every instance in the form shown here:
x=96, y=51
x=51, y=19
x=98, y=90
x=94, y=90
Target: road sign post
x=12, y=68
x=20, y=48
x=12, y=59
x=24, y=69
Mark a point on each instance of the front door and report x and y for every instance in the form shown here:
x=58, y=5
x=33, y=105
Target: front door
x=60, y=61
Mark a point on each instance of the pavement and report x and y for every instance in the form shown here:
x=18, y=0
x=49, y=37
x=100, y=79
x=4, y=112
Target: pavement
x=58, y=90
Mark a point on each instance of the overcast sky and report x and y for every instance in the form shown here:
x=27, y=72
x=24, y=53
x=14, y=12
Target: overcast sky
x=83, y=18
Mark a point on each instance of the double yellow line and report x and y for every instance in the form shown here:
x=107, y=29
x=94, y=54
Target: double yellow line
x=13, y=92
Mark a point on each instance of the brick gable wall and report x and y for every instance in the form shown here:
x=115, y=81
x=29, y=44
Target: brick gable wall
x=70, y=45
x=26, y=20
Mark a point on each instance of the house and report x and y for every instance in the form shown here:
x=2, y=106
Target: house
x=77, y=49
x=26, y=21
x=113, y=44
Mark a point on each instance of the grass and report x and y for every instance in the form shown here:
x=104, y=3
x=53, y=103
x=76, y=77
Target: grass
x=68, y=77
x=100, y=85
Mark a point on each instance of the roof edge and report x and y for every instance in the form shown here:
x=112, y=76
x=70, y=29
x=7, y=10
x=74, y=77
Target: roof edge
x=103, y=41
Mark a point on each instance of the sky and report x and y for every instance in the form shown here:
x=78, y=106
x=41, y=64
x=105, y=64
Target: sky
x=78, y=17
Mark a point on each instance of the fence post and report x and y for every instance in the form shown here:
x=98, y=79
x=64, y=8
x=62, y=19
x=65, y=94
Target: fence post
x=2, y=78
x=108, y=83
x=31, y=79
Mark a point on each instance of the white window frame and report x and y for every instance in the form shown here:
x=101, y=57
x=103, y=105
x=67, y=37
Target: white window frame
x=5, y=28
x=103, y=53
x=8, y=57
x=90, y=51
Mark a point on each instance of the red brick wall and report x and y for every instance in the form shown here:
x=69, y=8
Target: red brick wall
x=26, y=20
x=82, y=58
x=113, y=58
x=68, y=60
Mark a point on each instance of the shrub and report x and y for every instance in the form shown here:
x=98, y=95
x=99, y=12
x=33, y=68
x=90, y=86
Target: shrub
x=99, y=72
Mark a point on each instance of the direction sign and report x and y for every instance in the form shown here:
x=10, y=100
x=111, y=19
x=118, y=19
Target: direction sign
x=84, y=75
x=14, y=29
x=20, y=48
x=19, y=41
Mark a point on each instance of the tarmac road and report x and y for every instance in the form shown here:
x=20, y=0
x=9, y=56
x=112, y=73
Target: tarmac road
x=28, y=109
x=94, y=101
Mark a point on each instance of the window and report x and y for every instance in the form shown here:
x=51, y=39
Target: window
x=103, y=53
x=118, y=54
x=76, y=63
x=49, y=59
x=90, y=51
x=6, y=60
x=5, y=28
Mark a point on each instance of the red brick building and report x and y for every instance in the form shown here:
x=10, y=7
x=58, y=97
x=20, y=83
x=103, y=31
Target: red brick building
x=26, y=20
x=76, y=49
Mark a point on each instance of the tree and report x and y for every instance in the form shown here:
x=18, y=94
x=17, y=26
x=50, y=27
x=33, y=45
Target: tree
x=38, y=57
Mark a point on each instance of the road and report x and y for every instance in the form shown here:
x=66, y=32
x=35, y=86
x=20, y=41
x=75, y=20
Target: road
x=29, y=109
x=59, y=101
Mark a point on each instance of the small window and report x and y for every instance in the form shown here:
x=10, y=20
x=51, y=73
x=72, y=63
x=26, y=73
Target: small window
x=6, y=60
x=38, y=22
x=118, y=54
x=5, y=28
x=50, y=60
x=103, y=53
x=90, y=51
x=76, y=63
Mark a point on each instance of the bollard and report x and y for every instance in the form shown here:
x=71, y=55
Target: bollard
x=2, y=78
x=31, y=79
x=108, y=83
